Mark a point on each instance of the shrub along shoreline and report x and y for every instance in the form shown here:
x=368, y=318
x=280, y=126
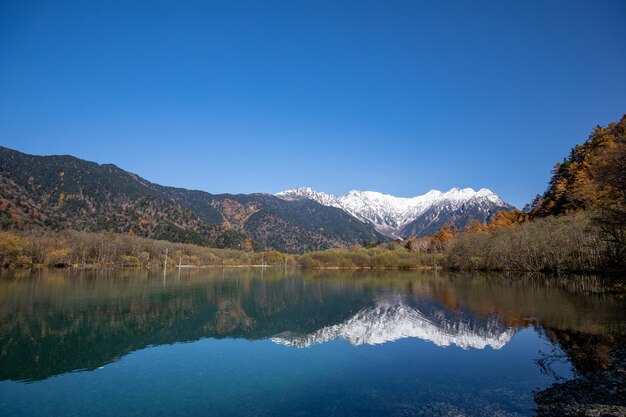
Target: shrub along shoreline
x=79, y=249
x=560, y=244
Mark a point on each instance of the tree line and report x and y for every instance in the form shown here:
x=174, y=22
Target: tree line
x=577, y=225
x=26, y=249
x=72, y=248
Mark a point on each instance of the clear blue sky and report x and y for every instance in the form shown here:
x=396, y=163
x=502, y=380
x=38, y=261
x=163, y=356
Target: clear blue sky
x=393, y=96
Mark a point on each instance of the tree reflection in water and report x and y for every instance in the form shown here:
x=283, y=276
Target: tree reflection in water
x=57, y=321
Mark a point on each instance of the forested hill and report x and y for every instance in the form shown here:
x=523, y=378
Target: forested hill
x=60, y=192
x=592, y=176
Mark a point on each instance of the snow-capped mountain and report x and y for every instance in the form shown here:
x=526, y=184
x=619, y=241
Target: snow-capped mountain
x=393, y=318
x=398, y=217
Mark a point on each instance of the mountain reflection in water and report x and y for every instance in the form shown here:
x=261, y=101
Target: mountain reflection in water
x=57, y=321
x=396, y=317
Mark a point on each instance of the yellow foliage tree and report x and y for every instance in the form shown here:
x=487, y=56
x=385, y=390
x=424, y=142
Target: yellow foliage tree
x=58, y=256
x=440, y=239
x=507, y=219
x=11, y=247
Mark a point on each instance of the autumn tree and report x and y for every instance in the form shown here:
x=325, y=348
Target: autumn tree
x=593, y=175
x=440, y=240
x=11, y=247
x=507, y=218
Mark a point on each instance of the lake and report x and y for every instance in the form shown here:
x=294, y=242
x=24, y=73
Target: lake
x=239, y=342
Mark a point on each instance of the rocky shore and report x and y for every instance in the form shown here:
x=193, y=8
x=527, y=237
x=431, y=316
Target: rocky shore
x=601, y=393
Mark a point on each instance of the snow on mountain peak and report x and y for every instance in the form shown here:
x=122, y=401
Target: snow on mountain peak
x=393, y=319
x=389, y=214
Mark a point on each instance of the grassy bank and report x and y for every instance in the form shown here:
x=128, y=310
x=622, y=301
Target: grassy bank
x=110, y=250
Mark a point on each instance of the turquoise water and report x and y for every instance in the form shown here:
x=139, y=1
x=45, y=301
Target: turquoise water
x=243, y=342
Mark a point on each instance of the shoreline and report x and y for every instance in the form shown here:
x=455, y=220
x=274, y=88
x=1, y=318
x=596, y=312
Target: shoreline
x=313, y=268
x=599, y=393
x=298, y=267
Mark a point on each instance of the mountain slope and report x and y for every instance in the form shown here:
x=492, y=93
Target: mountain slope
x=397, y=217
x=290, y=226
x=58, y=192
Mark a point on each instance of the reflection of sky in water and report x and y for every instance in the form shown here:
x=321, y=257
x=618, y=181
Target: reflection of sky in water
x=209, y=343
x=237, y=377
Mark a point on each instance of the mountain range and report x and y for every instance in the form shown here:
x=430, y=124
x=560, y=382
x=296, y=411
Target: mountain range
x=61, y=191
x=397, y=217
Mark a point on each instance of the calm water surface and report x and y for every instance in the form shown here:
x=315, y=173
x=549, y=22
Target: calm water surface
x=253, y=342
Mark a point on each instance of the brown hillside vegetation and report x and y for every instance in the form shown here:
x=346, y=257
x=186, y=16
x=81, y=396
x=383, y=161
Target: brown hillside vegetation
x=592, y=176
x=578, y=224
